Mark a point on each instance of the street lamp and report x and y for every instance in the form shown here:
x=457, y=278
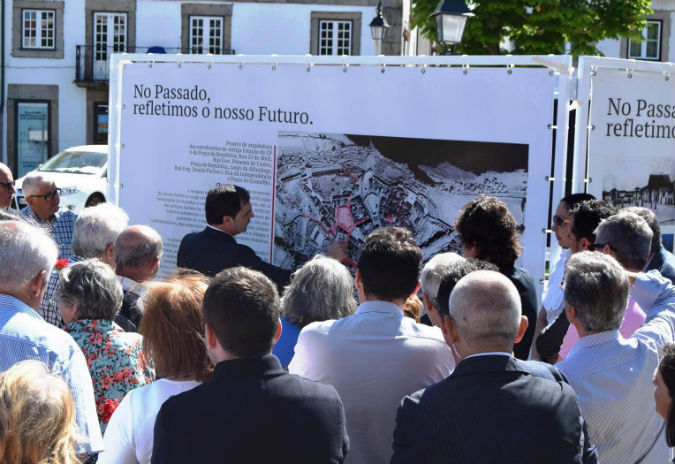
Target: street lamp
x=451, y=16
x=378, y=28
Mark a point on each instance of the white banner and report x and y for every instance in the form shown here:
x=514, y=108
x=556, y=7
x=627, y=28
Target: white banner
x=332, y=152
x=631, y=148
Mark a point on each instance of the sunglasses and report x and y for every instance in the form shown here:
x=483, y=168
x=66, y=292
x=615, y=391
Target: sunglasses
x=48, y=196
x=598, y=246
x=8, y=185
x=559, y=220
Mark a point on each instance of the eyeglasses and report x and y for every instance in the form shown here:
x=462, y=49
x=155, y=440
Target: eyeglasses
x=598, y=246
x=8, y=185
x=559, y=220
x=48, y=196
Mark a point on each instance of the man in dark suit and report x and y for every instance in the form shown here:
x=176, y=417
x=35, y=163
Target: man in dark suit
x=493, y=408
x=252, y=411
x=228, y=212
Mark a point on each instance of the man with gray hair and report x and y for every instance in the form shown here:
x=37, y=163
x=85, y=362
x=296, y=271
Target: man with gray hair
x=43, y=198
x=475, y=414
x=659, y=258
x=430, y=281
x=28, y=255
x=7, y=189
x=612, y=374
x=94, y=235
x=138, y=251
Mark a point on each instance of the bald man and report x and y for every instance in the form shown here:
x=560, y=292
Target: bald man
x=477, y=413
x=138, y=251
x=6, y=186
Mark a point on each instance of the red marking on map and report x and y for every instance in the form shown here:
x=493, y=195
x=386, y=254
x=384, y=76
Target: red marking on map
x=351, y=176
x=389, y=218
x=343, y=220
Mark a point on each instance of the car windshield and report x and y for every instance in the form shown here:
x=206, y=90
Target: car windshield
x=77, y=162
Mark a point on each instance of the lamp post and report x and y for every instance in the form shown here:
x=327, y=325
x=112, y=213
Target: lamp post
x=378, y=28
x=451, y=16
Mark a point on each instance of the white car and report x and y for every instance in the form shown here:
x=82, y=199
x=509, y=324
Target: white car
x=80, y=173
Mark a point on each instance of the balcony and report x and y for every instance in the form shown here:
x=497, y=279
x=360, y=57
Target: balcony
x=92, y=67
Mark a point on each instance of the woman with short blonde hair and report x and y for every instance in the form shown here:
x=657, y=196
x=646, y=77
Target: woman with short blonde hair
x=37, y=417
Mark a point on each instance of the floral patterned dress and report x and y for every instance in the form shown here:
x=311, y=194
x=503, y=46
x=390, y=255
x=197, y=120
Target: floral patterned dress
x=116, y=362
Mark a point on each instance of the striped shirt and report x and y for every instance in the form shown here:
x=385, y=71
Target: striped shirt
x=612, y=375
x=60, y=229
x=49, y=308
x=24, y=335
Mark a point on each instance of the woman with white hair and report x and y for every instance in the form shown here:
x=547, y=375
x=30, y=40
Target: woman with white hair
x=320, y=290
x=90, y=296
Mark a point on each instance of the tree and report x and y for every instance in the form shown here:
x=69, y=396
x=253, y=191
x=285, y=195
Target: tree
x=540, y=27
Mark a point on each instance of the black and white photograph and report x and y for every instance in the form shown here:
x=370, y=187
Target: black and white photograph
x=649, y=183
x=343, y=186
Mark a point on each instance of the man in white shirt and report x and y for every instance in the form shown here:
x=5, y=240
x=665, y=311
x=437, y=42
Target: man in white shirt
x=552, y=298
x=376, y=356
x=611, y=374
x=27, y=256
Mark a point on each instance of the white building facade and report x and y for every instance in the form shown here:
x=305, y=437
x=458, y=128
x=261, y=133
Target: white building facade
x=55, y=53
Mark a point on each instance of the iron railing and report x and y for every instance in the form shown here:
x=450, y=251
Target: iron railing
x=92, y=62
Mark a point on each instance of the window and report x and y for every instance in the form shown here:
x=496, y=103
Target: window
x=335, y=33
x=38, y=29
x=206, y=34
x=335, y=37
x=650, y=46
x=205, y=28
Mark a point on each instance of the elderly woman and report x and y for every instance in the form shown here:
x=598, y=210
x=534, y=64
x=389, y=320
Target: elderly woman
x=489, y=232
x=320, y=290
x=173, y=312
x=90, y=297
x=37, y=416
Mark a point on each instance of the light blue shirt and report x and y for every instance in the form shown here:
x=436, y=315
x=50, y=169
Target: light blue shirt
x=25, y=335
x=612, y=375
x=373, y=358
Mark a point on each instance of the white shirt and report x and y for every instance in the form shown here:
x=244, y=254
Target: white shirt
x=129, y=436
x=373, y=359
x=553, y=293
x=612, y=375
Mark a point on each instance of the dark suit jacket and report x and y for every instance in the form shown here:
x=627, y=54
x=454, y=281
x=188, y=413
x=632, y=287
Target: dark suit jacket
x=210, y=251
x=524, y=283
x=664, y=262
x=252, y=412
x=494, y=409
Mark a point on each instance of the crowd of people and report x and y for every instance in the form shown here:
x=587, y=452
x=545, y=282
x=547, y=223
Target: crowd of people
x=230, y=358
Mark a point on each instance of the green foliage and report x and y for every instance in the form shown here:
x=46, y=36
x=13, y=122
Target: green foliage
x=540, y=27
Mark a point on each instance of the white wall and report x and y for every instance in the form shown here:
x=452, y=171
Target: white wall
x=158, y=23
x=284, y=29
x=257, y=28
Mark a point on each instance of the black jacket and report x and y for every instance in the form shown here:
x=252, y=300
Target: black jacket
x=494, y=409
x=252, y=412
x=210, y=251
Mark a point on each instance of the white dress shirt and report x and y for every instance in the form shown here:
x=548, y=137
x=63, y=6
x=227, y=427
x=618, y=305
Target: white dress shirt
x=129, y=436
x=553, y=293
x=373, y=359
x=612, y=375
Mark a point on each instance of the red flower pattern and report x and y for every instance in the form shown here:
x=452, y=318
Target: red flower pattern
x=116, y=362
